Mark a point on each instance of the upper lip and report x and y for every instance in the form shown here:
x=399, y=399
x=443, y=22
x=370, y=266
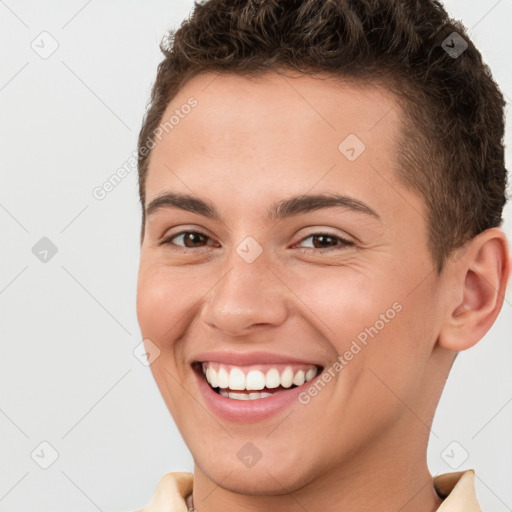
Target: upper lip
x=250, y=358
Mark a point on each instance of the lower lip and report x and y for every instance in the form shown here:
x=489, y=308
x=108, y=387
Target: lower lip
x=248, y=410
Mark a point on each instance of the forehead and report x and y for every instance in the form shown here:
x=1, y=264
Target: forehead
x=277, y=135
x=277, y=111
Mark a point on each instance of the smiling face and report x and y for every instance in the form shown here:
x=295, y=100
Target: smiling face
x=260, y=291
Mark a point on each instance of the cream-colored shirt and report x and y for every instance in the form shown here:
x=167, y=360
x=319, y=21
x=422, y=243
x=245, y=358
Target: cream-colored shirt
x=458, y=488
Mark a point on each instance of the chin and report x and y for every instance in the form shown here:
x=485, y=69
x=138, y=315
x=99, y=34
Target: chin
x=257, y=481
x=282, y=468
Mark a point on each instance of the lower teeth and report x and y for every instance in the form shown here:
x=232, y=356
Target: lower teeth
x=255, y=395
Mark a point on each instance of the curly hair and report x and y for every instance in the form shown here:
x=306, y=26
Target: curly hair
x=451, y=144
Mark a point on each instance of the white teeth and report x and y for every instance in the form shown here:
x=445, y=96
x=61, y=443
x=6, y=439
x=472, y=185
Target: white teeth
x=223, y=378
x=236, y=379
x=254, y=380
x=287, y=377
x=272, y=379
x=310, y=374
x=300, y=378
x=238, y=396
x=214, y=378
x=245, y=396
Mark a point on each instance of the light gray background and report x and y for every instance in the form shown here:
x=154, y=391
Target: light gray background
x=69, y=328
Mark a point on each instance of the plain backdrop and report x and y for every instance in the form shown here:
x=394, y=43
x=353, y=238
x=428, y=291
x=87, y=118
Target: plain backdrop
x=75, y=77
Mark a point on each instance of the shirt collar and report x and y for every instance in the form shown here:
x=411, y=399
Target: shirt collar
x=458, y=491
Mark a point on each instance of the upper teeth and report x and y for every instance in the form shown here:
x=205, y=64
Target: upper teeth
x=240, y=378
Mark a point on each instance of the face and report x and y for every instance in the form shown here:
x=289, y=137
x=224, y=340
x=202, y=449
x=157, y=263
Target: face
x=291, y=332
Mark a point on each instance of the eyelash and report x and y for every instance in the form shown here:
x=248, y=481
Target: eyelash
x=177, y=248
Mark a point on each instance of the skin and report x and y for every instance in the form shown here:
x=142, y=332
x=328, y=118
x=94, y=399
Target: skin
x=361, y=442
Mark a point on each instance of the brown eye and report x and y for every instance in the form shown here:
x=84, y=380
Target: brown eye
x=193, y=238
x=187, y=239
x=326, y=241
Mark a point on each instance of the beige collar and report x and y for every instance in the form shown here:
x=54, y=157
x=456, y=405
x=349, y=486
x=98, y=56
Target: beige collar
x=458, y=490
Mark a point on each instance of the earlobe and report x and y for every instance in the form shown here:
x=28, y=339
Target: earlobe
x=480, y=278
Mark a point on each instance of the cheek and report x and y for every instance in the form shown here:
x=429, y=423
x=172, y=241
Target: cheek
x=396, y=336
x=162, y=302
x=375, y=325
x=160, y=307
x=345, y=305
x=167, y=302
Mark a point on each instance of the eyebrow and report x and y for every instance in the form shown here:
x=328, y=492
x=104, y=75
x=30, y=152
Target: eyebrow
x=279, y=210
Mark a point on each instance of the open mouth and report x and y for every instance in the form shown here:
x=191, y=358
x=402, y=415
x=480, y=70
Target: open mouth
x=255, y=382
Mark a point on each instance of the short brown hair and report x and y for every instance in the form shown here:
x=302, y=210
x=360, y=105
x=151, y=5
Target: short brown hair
x=451, y=145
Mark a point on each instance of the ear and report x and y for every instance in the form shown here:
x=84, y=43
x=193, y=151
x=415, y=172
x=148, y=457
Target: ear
x=477, y=284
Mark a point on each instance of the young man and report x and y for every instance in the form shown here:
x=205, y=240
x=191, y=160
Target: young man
x=322, y=186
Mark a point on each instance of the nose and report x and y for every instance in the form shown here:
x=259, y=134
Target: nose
x=248, y=296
